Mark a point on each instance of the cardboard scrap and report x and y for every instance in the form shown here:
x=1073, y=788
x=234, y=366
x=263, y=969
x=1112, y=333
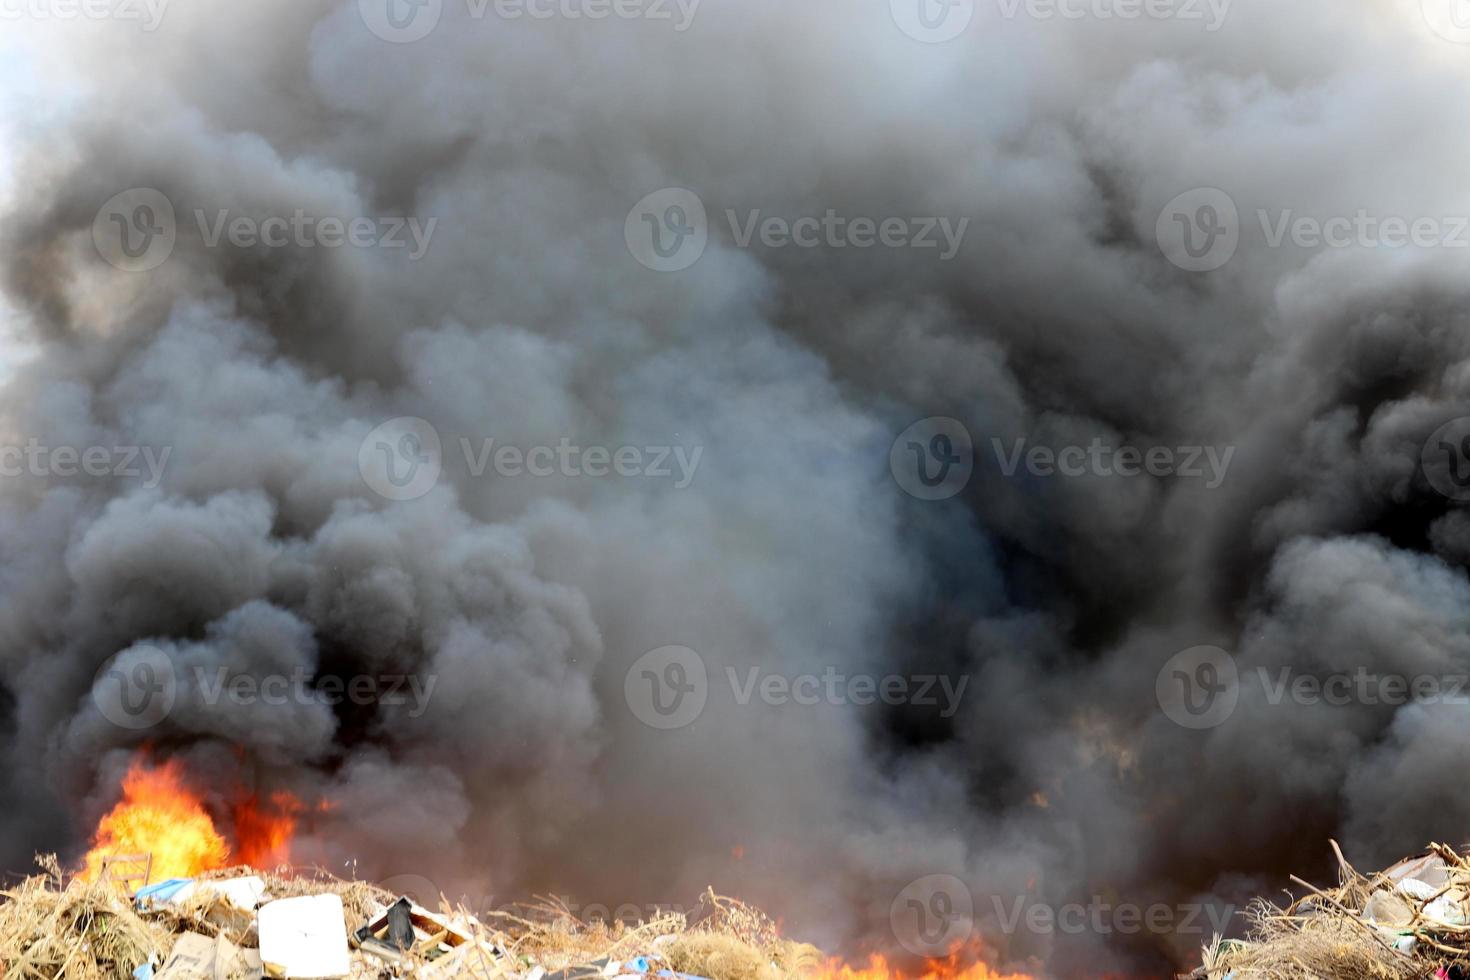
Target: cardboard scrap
x=476, y=960
x=196, y=957
x=304, y=938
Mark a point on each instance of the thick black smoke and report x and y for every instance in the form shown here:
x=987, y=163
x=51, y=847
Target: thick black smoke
x=261, y=550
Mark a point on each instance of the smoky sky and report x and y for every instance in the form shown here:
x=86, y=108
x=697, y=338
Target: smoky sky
x=262, y=550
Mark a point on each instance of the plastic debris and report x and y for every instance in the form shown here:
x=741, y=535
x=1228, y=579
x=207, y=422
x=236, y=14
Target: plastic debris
x=162, y=892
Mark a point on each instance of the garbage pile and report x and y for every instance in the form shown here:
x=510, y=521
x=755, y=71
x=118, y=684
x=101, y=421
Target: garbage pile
x=1411, y=920
x=244, y=924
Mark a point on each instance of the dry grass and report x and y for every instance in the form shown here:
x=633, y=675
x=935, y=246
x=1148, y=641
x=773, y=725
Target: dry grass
x=1311, y=949
x=549, y=933
x=723, y=939
x=79, y=931
x=735, y=941
x=52, y=928
x=1326, y=935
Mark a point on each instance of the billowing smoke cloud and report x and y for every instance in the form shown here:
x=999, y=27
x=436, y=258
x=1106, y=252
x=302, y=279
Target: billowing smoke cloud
x=254, y=378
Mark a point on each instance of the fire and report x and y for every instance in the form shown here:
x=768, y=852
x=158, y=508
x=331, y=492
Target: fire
x=161, y=815
x=265, y=832
x=962, y=964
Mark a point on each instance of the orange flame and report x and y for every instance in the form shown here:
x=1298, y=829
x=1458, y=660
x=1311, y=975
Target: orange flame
x=161, y=815
x=963, y=963
x=264, y=832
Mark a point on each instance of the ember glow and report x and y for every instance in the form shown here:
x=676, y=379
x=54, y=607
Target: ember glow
x=162, y=815
x=952, y=967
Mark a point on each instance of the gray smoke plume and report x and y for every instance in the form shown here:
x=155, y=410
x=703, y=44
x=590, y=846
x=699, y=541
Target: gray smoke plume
x=258, y=549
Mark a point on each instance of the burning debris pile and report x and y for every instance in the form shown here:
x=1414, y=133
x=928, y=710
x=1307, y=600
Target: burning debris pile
x=168, y=893
x=162, y=896
x=1411, y=920
x=242, y=924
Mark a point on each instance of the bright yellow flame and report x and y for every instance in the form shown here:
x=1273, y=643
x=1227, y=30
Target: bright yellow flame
x=161, y=816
